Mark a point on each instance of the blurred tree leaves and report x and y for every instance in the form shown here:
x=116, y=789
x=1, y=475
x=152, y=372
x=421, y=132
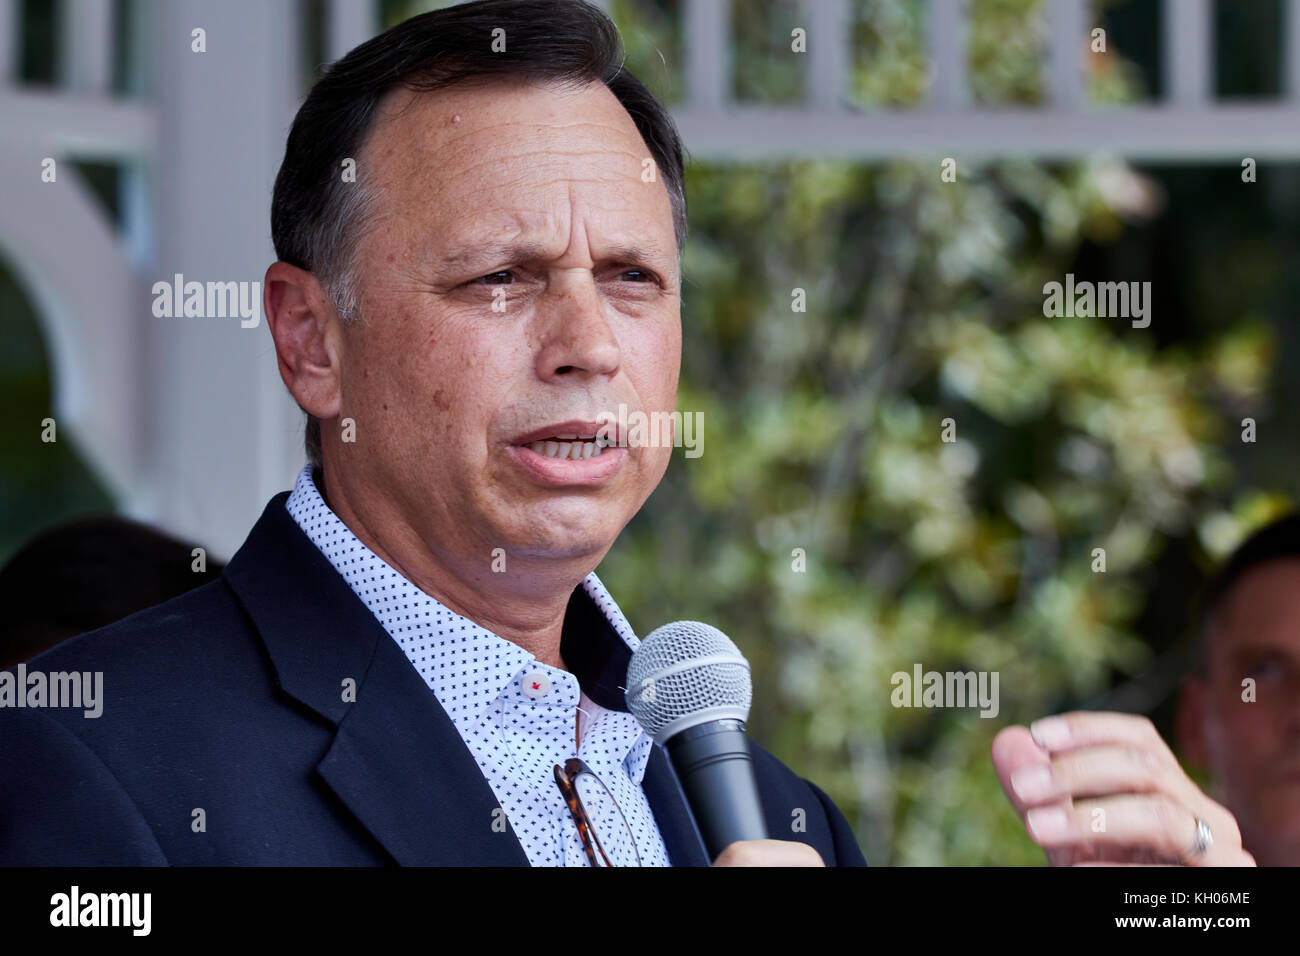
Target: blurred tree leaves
x=823, y=438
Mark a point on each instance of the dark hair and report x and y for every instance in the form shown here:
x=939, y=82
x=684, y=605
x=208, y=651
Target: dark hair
x=83, y=574
x=317, y=218
x=1279, y=539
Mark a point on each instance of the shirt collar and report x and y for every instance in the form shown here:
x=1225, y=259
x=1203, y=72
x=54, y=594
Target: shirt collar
x=596, y=641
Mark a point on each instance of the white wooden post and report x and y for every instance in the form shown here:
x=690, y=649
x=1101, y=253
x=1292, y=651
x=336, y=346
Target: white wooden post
x=830, y=47
x=86, y=46
x=1067, y=43
x=1291, y=51
x=224, y=434
x=349, y=23
x=1188, y=34
x=946, y=46
x=9, y=36
x=708, y=54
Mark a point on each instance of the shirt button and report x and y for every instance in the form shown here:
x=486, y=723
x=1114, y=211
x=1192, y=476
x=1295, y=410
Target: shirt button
x=536, y=685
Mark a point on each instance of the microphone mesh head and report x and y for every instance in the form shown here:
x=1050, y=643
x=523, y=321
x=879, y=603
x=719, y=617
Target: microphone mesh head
x=684, y=674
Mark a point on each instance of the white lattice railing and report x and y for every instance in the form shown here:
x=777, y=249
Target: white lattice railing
x=1188, y=124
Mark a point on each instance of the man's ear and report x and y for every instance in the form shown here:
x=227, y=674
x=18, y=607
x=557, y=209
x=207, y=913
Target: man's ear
x=1189, y=724
x=305, y=327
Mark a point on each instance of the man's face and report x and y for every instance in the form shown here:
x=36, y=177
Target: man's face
x=1254, y=748
x=522, y=274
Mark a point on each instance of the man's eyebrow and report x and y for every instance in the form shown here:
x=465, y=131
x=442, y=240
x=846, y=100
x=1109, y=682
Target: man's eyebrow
x=486, y=253
x=489, y=253
x=1259, y=647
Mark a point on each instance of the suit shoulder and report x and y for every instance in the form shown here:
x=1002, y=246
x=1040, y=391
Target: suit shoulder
x=775, y=775
x=183, y=625
x=154, y=670
x=797, y=809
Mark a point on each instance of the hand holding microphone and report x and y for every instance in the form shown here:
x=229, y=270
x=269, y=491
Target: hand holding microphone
x=689, y=687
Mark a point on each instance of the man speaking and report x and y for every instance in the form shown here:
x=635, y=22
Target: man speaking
x=409, y=645
x=479, y=221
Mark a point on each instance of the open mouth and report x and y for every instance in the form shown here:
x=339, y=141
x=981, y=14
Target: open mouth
x=573, y=453
x=572, y=440
x=571, y=447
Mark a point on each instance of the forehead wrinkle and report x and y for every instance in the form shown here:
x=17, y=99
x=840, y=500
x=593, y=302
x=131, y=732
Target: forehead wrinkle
x=539, y=125
x=424, y=160
x=616, y=133
x=440, y=138
x=530, y=210
x=439, y=147
x=431, y=120
x=561, y=166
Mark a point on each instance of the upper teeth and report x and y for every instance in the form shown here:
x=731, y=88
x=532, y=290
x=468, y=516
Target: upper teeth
x=573, y=450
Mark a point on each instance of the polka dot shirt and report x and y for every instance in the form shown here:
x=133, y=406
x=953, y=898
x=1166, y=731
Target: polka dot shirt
x=516, y=715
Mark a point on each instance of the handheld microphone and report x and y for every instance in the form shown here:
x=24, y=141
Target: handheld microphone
x=689, y=688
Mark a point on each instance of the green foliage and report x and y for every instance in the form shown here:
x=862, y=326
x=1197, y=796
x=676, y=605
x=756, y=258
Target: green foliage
x=823, y=433
x=652, y=39
x=891, y=36
x=764, y=67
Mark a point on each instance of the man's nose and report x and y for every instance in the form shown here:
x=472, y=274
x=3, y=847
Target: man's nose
x=577, y=341
x=1291, y=713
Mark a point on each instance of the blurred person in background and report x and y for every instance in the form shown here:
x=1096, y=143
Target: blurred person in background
x=1239, y=711
x=1238, y=718
x=84, y=574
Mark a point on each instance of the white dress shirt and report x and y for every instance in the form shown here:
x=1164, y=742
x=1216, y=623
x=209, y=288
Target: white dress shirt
x=516, y=715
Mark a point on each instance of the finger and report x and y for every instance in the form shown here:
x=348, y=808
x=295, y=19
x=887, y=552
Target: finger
x=1014, y=751
x=1103, y=771
x=769, y=853
x=1117, y=863
x=1085, y=728
x=1152, y=822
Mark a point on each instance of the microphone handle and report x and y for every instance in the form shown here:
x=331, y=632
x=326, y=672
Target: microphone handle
x=712, y=762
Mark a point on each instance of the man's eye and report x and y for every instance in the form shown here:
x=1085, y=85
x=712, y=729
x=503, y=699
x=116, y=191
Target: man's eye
x=507, y=277
x=1265, y=668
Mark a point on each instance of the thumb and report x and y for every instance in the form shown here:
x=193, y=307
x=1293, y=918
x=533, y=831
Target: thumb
x=1014, y=750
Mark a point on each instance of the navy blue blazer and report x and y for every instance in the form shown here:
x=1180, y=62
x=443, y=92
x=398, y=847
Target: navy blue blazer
x=225, y=738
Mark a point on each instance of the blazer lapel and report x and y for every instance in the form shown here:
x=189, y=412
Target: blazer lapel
x=397, y=761
x=400, y=765
x=673, y=815
x=599, y=658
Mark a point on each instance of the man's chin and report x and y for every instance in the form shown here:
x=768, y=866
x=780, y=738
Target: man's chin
x=566, y=539
x=558, y=555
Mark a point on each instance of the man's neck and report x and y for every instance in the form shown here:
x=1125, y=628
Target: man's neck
x=531, y=619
